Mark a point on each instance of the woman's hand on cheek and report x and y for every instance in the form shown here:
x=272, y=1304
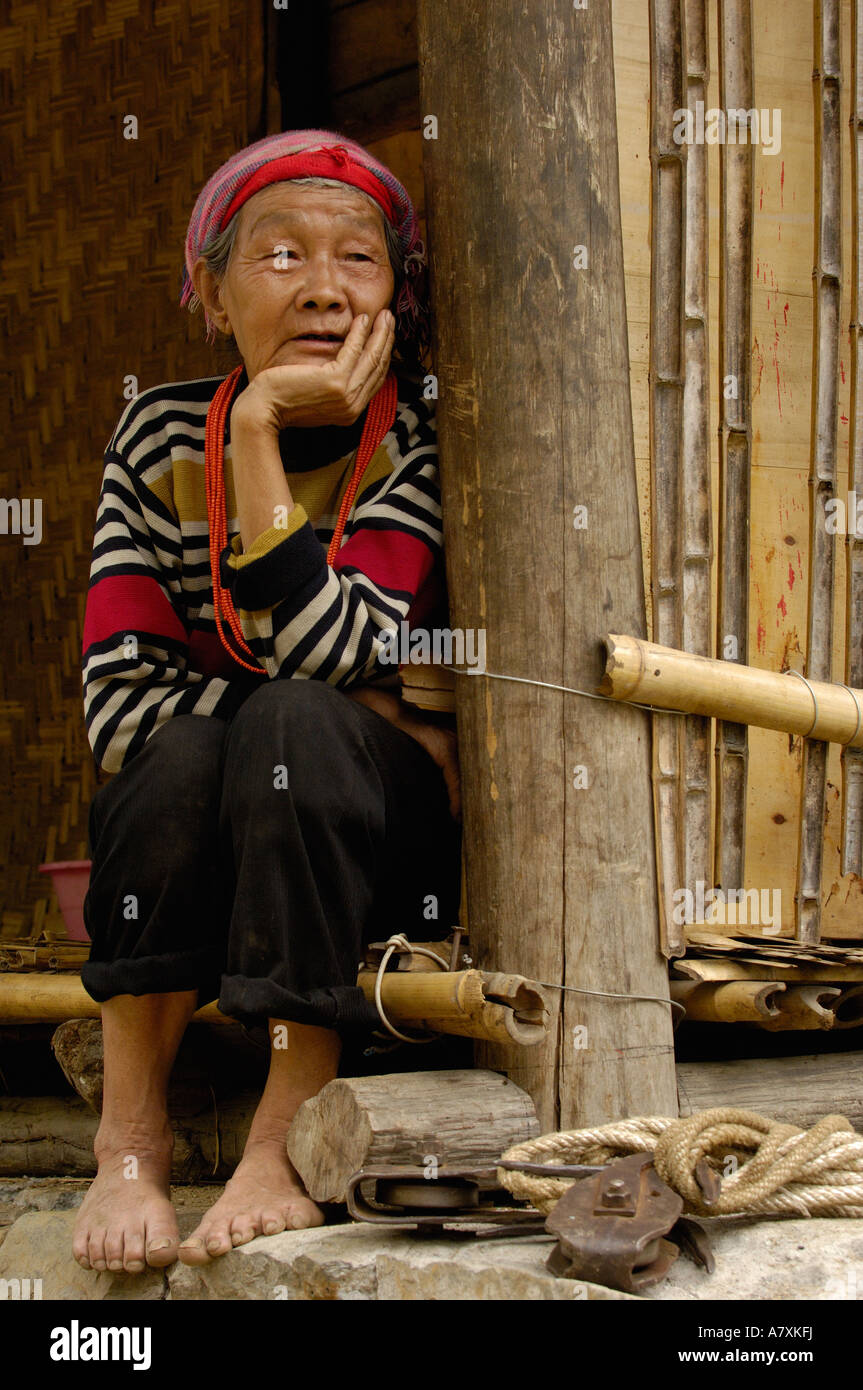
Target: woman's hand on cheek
x=310, y=394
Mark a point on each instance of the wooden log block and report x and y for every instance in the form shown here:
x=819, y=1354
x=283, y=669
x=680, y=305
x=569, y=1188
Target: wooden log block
x=78, y=1048
x=44, y=1136
x=464, y=1118
x=560, y=857
x=797, y=1090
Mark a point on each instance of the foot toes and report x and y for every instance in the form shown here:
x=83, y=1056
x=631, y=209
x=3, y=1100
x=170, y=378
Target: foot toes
x=272, y=1223
x=96, y=1250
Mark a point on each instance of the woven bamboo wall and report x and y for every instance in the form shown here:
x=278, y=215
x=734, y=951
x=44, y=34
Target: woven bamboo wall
x=93, y=227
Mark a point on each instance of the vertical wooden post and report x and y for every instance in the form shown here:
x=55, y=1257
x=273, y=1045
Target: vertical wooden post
x=822, y=474
x=542, y=536
x=736, y=163
x=852, y=759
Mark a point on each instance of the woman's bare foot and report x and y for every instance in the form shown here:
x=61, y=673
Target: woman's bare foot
x=265, y=1196
x=126, y=1220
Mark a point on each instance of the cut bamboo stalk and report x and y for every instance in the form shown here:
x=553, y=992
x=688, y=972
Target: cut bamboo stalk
x=697, y=502
x=804, y=1007
x=649, y=674
x=736, y=163
x=852, y=759
x=822, y=477
x=719, y=970
x=467, y=1003
x=667, y=271
x=770, y=1004
x=735, y=1001
x=36, y=997
x=848, y=1007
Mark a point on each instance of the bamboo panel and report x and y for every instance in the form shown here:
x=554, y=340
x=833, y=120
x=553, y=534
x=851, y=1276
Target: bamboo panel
x=92, y=228
x=736, y=164
x=822, y=479
x=667, y=274
x=781, y=372
x=852, y=761
x=697, y=499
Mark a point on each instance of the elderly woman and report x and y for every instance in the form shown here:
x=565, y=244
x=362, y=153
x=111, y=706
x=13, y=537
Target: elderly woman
x=273, y=808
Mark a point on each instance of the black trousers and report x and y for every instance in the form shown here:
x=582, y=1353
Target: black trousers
x=253, y=860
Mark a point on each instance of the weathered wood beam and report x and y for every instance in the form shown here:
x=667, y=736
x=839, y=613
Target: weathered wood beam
x=542, y=536
x=796, y=1090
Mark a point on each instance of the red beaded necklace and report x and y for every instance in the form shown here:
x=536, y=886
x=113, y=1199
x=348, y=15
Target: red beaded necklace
x=379, y=418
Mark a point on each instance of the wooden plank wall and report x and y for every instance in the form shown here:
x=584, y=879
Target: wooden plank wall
x=784, y=440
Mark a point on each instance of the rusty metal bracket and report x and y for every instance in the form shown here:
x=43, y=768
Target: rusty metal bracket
x=609, y=1227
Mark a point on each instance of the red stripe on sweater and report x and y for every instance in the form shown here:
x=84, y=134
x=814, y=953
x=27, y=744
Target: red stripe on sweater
x=122, y=603
x=391, y=559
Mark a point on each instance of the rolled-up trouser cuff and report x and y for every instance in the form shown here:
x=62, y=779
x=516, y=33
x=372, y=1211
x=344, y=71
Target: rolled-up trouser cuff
x=166, y=974
x=343, y=1008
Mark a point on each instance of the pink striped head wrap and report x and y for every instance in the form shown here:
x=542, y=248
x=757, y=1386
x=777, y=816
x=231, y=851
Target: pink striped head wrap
x=295, y=154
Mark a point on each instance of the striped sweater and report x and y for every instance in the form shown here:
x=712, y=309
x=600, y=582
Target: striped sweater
x=151, y=649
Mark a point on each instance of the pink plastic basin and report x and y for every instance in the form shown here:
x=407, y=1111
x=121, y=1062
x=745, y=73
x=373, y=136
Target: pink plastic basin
x=71, y=879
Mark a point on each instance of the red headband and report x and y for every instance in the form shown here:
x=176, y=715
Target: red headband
x=333, y=162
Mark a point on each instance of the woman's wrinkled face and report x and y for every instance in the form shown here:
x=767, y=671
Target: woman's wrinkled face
x=305, y=261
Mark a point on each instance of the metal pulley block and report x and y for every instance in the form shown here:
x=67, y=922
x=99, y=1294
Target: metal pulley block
x=610, y=1227
x=446, y=1197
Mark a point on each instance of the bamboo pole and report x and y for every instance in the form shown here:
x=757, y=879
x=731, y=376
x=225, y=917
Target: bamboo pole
x=557, y=796
x=735, y=433
x=769, y=1004
x=467, y=1003
x=848, y=1008
x=804, y=1007
x=37, y=997
x=852, y=759
x=697, y=501
x=735, y=1001
x=822, y=477
x=667, y=270
x=649, y=674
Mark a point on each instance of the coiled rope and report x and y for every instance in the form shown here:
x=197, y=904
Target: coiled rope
x=779, y=1169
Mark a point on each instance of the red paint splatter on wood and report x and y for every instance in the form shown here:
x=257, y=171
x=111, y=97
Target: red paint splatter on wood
x=785, y=313
x=842, y=370
x=782, y=185
x=791, y=576
x=783, y=610
x=760, y=199
x=844, y=419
